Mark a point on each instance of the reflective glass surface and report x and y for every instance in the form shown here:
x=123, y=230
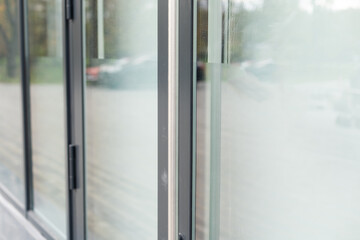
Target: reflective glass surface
x=47, y=111
x=11, y=129
x=278, y=120
x=121, y=119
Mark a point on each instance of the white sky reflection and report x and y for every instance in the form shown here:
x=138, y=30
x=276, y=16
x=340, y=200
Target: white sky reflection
x=335, y=5
x=250, y=4
x=306, y=5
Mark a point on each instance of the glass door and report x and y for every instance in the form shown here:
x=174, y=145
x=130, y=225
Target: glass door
x=94, y=137
x=277, y=119
x=11, y=130
x=47, y=112
x=121, y=118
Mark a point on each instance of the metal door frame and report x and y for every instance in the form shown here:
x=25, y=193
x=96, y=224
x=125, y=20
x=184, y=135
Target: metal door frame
x=186, y=119
x=73, y=49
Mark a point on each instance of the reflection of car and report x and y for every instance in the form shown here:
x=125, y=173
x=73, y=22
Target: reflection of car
x=92, y=73
x=138, y=72
x=263, y=69
x=200, y=71
x=348, y=108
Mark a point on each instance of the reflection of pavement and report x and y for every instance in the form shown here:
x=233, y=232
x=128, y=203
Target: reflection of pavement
x=121, y=157
x=48, y=142
x=287, y=171
x=11, y=141
x=122, y=163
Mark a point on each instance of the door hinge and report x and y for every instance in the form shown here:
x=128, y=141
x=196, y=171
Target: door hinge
x=69, y=9
x=73, y=167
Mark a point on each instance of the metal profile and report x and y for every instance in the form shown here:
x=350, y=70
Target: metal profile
x=172, y=107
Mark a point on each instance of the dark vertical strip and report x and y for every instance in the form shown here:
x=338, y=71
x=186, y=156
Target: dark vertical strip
x=186, y=118
x=25, y=85
x=162, y=119
x=67, y=88
x=74, y=97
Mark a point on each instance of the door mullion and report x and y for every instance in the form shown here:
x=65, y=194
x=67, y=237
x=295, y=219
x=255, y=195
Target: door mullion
x=25, y=87
x=162, y=119
x=73, y=57
x=185, y=120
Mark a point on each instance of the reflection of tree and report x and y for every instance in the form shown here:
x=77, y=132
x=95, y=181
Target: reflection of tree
x=283, y=31
x=38, y=30
x=129, y=27
x=9, y=33
x=202, y=32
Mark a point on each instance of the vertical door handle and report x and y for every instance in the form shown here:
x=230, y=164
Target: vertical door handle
x=69, y=9
x=73, y=167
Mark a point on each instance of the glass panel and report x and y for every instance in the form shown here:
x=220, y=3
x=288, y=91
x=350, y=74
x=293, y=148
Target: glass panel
x=278, y=119
x=47, y=111
x=11, y=129
x=121, y=119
